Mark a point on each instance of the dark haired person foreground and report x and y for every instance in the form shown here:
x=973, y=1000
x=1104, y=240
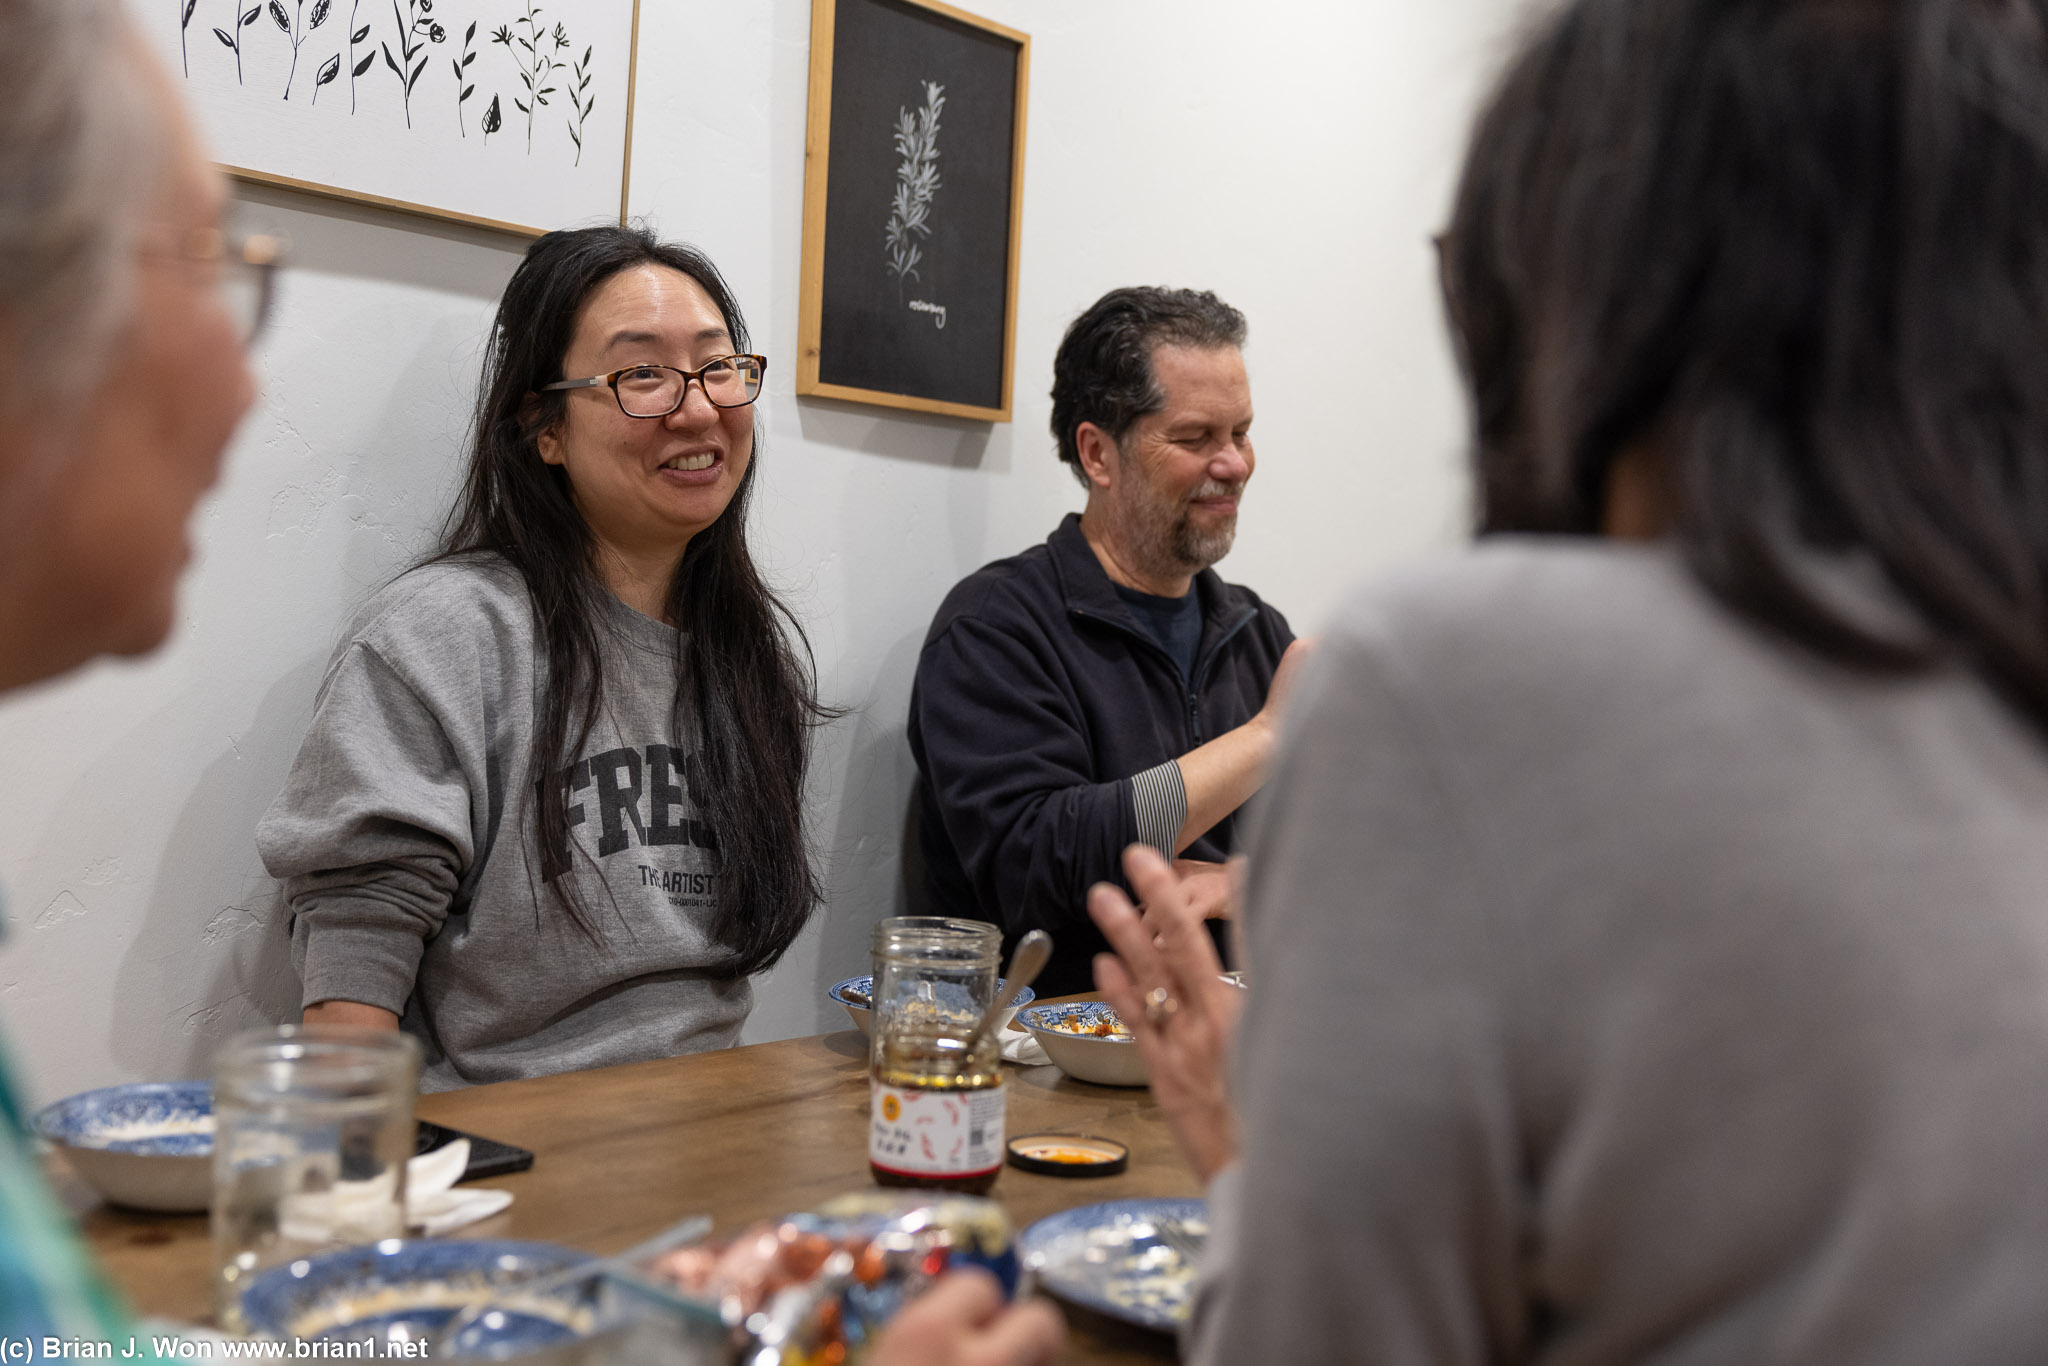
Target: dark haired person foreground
x=1106, y=686
x=1646, y=925
x=549, y=810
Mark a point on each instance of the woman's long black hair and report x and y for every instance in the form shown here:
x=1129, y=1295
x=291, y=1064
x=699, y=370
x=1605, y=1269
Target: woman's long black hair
x=1799, y=250
x=745, y=695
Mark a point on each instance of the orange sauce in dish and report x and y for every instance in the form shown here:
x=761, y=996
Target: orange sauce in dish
x=1071, y=1156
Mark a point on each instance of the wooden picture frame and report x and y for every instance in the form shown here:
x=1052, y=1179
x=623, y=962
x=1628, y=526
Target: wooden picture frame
x=913, y=207
x=414, y=92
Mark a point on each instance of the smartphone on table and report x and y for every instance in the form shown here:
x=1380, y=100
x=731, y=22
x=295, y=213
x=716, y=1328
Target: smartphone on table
x=487, y=1156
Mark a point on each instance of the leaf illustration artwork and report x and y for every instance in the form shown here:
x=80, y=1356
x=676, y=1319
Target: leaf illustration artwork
x=917, y=184
x=357, y=68
x=233, y=41
x=329, y=69
x=580, y=96
x=538, y=66
x=494, y=118
x=184, y=24
x=297, y=33
x=463, y=89
x=416, y=21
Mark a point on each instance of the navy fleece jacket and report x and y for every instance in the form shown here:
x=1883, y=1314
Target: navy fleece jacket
x=1045, y=722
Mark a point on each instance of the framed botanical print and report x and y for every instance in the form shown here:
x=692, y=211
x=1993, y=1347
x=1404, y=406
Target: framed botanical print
x=913, y=195
x=504, y=113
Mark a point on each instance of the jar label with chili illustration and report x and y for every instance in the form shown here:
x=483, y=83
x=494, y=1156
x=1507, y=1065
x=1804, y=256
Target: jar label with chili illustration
x=915, y=1132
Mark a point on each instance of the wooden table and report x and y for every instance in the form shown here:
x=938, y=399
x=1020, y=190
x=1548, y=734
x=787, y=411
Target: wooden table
x=740, y=1134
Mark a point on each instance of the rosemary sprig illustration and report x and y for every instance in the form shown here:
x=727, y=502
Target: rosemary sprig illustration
x=539, y=64
x=184, y=24
x=917, y=183
x=297, y=34
x=463, y=89
x=494, y=118
x=233, y=41
x=580, y=96
x=417, y=21
x=356, y=68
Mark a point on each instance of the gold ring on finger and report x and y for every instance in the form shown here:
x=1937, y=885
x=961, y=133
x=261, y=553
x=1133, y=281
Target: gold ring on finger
x=1159, y=1006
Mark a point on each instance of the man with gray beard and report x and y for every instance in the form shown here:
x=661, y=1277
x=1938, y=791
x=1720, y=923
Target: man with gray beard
x=1107, y=687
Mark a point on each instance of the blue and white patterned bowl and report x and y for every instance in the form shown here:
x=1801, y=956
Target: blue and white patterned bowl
x=398, y=1291
x=1112, y=1258
x=1106, y=1060
x=148, y=1145
x=864, y=1016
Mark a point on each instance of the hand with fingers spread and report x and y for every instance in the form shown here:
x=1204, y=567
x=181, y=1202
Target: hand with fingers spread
x=1165, y=982
x=964, y=1321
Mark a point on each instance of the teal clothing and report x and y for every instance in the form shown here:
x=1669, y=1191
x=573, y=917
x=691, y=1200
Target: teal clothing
x=49, y=1287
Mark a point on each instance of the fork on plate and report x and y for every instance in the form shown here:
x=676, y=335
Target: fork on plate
x=1186, y=1242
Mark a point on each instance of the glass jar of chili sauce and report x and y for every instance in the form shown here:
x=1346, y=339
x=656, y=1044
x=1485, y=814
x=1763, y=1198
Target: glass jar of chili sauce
x=935, y=1116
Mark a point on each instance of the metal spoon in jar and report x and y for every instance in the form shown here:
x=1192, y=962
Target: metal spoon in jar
x=1025, y=965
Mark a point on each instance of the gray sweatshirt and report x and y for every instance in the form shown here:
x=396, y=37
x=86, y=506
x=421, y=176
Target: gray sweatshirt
x=1629, y=986
x=404, y=839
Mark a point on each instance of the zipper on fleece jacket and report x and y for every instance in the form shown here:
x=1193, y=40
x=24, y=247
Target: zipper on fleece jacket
x=1191, y=686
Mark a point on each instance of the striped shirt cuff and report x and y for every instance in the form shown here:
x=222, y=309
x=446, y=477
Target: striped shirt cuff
x=1159, y=801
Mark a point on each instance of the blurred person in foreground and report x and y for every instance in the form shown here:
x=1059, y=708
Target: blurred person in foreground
x=1646, y=929
x=124, y=313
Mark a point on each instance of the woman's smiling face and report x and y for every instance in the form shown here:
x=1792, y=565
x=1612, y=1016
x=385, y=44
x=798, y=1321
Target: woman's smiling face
x=645, y=486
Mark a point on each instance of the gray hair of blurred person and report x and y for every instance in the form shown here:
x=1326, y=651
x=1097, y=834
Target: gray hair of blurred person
x=1102, y=372
x=76, y=150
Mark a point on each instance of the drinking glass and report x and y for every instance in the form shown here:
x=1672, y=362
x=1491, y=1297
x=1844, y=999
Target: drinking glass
x=313, y=1126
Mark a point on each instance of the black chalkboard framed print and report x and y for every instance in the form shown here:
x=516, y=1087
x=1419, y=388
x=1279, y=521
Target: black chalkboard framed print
x=913, y=194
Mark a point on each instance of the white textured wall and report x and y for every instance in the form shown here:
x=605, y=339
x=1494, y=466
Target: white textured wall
x=1294, y=158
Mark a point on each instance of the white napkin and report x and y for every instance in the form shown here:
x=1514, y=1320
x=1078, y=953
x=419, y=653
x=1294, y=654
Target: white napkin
x=1023, y=1049
x=432, y=1202
x=351, y=1211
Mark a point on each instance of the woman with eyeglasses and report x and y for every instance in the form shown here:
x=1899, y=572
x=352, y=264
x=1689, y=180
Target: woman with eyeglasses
x=548, y=815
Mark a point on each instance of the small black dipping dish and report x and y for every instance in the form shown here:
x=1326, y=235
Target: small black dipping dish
x=1076, y=1155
